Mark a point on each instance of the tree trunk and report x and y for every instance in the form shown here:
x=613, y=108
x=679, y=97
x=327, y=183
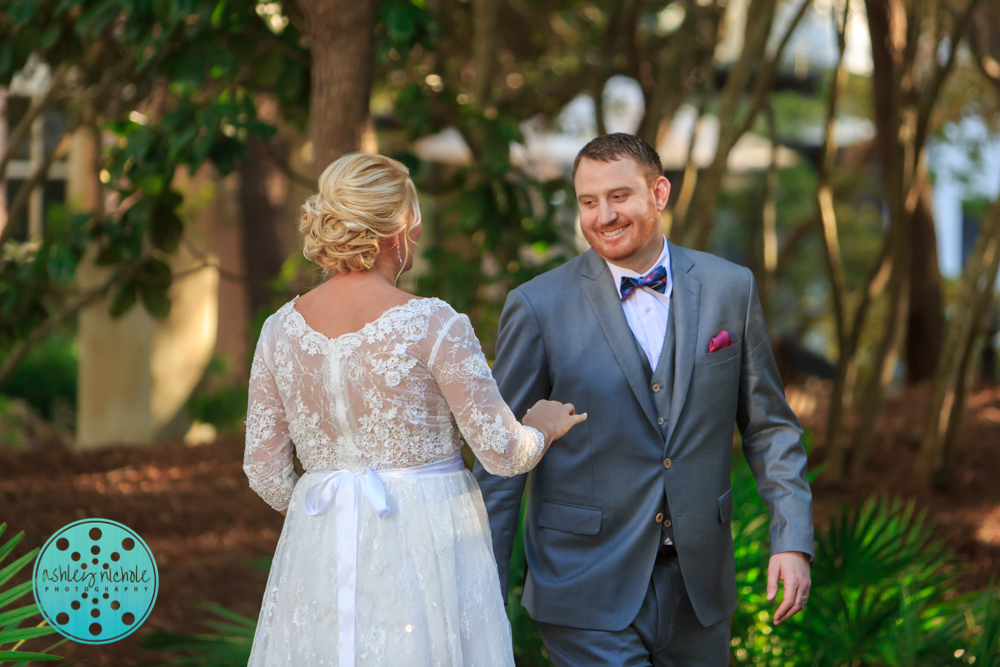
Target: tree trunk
x=700, y=217
x=925, y=324
x=886, y=352
x=843, y=385
x=887, y=23
x=768, y=220
x=484, y=48
x=263, y=185
x=978, y=279
x=343, y=60
x=966, y=377
x=684, y=54
x=752, y=62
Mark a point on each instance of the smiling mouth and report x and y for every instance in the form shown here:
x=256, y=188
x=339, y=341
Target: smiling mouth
x=616, y=232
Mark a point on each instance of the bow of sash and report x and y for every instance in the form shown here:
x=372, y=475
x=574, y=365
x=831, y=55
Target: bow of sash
x=320, y=496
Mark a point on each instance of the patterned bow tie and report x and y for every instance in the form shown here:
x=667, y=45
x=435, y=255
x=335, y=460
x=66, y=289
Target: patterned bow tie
x=656, y=280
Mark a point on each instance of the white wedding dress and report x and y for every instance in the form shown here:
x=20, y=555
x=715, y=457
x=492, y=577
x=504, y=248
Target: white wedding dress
x=391, y=396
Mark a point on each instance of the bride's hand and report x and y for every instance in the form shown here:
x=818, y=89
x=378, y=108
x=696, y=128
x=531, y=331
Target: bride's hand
x=553, y=419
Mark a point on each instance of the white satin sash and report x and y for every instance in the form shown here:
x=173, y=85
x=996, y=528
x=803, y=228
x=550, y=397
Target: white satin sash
x=340, y=488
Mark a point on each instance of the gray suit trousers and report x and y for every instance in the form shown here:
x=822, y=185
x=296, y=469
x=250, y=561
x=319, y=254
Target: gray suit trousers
x=666, y=633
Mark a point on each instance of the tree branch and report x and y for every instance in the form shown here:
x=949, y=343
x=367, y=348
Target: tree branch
x=941, y=72
x=690, y=178
x=22, y=347
x=765, y=78
x=978, y=279
x=279, y=46
x=980, y=57
x=281, y=164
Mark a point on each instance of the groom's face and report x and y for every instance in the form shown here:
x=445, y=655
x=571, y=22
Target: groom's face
x=620, y=210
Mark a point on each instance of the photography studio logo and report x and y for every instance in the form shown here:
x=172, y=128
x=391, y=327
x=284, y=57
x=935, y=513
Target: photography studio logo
x=95, y=581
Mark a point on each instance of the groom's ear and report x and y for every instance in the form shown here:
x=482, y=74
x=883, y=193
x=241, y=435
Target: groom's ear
x=661, y=193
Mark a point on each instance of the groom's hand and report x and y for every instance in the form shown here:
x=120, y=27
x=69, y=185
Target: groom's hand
x=791, y=567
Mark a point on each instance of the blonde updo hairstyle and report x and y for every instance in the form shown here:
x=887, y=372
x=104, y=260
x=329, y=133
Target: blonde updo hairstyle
x=362, y=199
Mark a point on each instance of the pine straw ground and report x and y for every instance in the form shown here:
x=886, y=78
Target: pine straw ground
x=194, y=509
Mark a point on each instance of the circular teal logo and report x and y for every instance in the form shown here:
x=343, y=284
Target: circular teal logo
x=95, y=581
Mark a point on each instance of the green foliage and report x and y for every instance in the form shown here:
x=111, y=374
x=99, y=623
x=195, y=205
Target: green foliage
x=46, y=377
x=492, y=230
x=884, y=593
x=403, y=25
x=489, y=225
x=194, y=66
x=528, y=648
x=33, y=275
x=219, y=399
x=12, y=634
x=228, y=646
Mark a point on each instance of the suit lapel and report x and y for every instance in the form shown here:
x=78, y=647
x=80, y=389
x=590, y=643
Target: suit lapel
x=687, y=306
x=606, y=304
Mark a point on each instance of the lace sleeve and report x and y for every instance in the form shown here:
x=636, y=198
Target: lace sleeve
x=503, y=445
x=267, y=459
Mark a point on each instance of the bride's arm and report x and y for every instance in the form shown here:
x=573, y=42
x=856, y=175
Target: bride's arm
x=267, y=459
x=504, y=446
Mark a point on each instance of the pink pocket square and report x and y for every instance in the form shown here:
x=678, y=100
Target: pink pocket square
x=720, y=342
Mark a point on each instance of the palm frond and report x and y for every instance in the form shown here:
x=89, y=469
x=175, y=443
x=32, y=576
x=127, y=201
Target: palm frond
x=14, y=593
x=924, y=633
x=11, y=634
x=229, y=646
x=881, y=540
x=985, y=650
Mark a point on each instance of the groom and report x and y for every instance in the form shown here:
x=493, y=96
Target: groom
x=627, y=536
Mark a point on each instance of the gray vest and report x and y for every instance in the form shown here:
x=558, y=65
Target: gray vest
x=661, y=389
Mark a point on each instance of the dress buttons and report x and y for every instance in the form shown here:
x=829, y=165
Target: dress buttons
x=656, y=388
x=667, y=523
x=660, y=421
x=667, y=463
x=659, y=518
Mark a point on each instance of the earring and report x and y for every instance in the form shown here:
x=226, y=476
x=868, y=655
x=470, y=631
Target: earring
x=399, y=255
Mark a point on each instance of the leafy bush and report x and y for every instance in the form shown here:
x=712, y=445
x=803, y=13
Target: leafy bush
x=219, y=399
x=884, y=593
x=12, y=635
x=528, y=648
x=46, y=378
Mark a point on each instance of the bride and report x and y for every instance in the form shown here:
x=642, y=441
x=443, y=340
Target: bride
x=385, y=556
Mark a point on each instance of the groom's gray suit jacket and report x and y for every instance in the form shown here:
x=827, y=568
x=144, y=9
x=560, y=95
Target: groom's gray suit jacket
x=591, y=534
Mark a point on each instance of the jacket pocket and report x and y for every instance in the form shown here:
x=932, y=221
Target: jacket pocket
x=570, y=518
x=726, y=506
x=723, y=355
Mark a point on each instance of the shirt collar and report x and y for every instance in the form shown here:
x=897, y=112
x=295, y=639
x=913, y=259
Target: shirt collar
x=619, y=272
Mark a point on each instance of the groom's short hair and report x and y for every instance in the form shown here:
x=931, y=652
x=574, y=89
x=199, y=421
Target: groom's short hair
x=609, y=147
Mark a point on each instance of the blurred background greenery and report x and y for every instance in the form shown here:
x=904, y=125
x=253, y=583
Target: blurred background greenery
x=154, y=153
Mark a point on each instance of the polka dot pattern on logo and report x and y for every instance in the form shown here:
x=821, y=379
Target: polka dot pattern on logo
x=108, y=565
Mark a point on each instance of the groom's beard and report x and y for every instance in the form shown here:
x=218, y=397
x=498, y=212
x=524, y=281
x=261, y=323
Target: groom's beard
x=629, y=242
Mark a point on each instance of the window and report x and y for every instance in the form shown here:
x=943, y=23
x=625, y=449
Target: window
x=43, y=137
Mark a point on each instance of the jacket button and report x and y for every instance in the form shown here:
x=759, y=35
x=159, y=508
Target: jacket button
x=660, y=421
x=659, y=518
x=656, y=388
x=667, y=523
x=667, y=463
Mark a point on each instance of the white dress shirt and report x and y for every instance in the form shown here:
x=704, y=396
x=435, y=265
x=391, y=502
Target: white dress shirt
x=647, y=310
